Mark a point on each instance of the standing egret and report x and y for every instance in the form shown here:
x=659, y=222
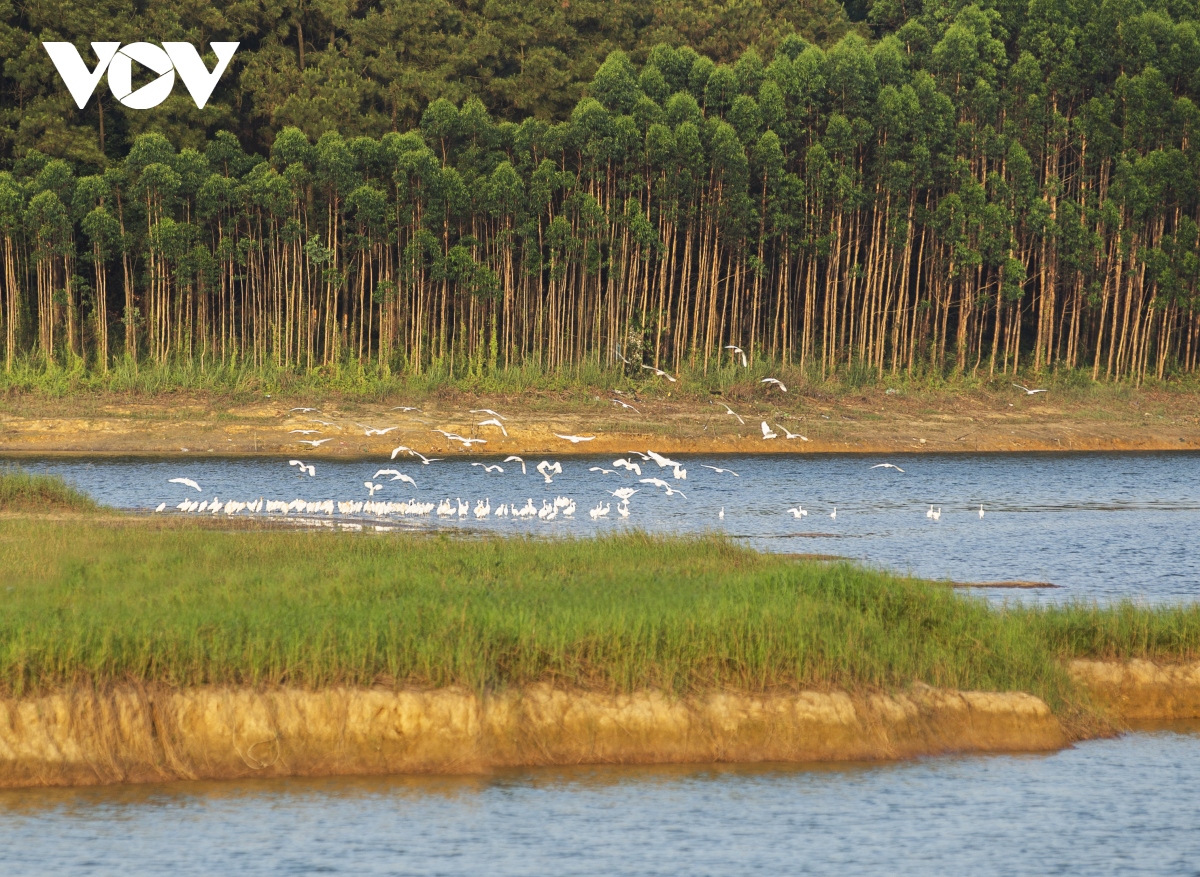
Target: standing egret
x=721, y=514
x=833, y=514
x=798, y=512
x=981, y=511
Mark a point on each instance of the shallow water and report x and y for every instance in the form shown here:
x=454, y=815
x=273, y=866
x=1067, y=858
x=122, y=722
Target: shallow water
x=1124, y=806
x=1100, y=526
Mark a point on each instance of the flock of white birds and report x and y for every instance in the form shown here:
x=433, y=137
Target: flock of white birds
x=630, y=466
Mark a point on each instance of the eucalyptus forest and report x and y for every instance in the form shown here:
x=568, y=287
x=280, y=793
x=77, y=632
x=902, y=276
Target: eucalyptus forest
x=901, y=189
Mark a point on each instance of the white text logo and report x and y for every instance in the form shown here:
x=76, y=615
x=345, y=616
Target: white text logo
x=171, y=58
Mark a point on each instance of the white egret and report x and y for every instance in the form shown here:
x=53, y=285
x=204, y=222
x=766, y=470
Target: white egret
x=396, y=451
x=888, y=466
x=545, y=468
x=372, y=431
x=386, y=472
x=483, y=508
x=798, y=512
x=463, y=508
x=316, y=443
x=663, y=462
x=624, y=493
x=719, y=470
x=623, y=510
x=575, y=439
x=303, y=410
x=981, y=511
x=1029, y=392
x=161, y=506
x=729, y=410
x=680, y=473
x=600, y=510
x=791, y=435
x=833, y=514
x=304, y=431
x=625, y=405
x=515, y=459
x=602, y=470
x=445, y=508
x=494, y=422
x=774, y=381
x=657, y=482
x=186, y=482
x=659, y=372
x=424, y=460
x=372, y=487
x=487, y=468
x=488, y=411
x=721, y=514
x=405, y=408
x=929, y=514
x=767, y=434
x=628, y=464
x=638, y=454
x=937, y=516
x=738, y=352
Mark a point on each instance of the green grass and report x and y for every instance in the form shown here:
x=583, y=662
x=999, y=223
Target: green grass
x=21, y=491
x=351, y=380
x=91, y=601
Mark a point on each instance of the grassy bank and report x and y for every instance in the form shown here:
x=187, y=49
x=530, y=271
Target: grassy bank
x=98, y=601
x=24, y=491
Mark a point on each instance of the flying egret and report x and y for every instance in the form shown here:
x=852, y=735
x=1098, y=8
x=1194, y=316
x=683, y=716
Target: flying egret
x=575, y=439
x=303, y=410
x=515, y=459
x=767, y=434
x=494, y=422
x=738, y=352
x=487, y=468
x=638, y=454
x=602, y=470
x=396, y=451
x=488, y=411
x=304, y=431
x=316, y=443
x=774, y=381
x=424, y=460
x=625, y=405
x=981, y=511
x=186, y=482
x=888, y=466
x=719, y=470
x=657, y=482
x=624, y=493
x=372, y=487
x=405, y=408
x=663, y=462
x=1029, y=392
x=372, y=431
x=545, y=468
x=680, y=473
x=455, y=437
x=628, y=464
x=729, y=410
x=791, y=435
x=659, y=372
x=323, y=422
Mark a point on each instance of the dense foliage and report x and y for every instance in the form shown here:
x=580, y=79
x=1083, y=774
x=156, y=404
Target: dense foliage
x=978, y=189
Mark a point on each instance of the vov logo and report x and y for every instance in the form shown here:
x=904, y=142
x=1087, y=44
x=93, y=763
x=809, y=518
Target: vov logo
x=171, y=58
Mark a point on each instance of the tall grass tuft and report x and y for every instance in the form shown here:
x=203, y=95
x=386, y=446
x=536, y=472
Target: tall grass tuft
x=24, y=491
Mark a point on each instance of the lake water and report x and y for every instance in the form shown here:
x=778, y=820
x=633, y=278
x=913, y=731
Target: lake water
x=1125, y=806
x=1100, y=526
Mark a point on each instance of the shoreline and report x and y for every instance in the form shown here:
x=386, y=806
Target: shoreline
x=867, y=423
x=152, y=734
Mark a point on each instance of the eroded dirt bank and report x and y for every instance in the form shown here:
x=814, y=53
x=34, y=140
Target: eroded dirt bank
x=138, y=735
x=870, y=422
x=130, y=735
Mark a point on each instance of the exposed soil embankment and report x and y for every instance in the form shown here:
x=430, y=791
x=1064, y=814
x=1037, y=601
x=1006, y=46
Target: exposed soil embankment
x=871, y=422
x=132, y=735
x=1142, y=689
